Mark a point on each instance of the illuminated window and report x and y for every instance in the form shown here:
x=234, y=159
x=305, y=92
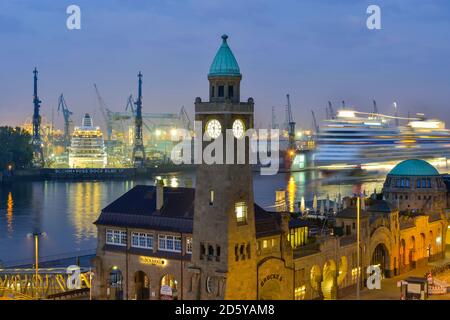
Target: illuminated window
x=241, y=212
x=169, y=243
x=116, y=237
x=264, y=244
x=211, y=197
x=142, y=240
x=300, y=292
x=188, y=245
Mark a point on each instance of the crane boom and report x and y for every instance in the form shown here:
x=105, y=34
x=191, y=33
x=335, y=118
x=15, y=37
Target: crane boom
x=62, y=107
x=106, y=113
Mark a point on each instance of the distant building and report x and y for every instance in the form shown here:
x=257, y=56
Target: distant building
x=87, y=148
x=213, y=242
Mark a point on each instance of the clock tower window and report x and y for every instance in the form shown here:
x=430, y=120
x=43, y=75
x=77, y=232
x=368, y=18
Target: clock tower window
x=241, y=212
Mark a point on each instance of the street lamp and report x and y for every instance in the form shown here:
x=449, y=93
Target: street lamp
x=36, y=236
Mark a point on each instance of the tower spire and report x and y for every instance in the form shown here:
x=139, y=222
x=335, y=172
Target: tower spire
x=138, y=149
x=38, y=155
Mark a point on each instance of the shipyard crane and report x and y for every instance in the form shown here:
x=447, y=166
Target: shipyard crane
x=38, y=153
x=184, y=118
x=138, y=145
x=316, y=127
x=331, y=111
x=375, y=108
x=290, y=123
x=62, y=107
x=105, y=113
x=274, y=119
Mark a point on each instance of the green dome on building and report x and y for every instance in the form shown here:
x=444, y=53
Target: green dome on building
x=414, y=167
x=224, y=63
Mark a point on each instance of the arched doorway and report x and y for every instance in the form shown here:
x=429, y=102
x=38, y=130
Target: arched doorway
x=412, y=251
x=343, y=268
x=329, y=282
x=380, y=257
x=141, y=286
x=169, y=288
x=115, y=284
x=431, y=241
x=316, y=279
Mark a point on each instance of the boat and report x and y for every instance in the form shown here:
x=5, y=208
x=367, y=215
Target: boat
x=360, y=140
x=87, y=148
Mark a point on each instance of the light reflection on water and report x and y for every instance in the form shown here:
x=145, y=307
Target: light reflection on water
x=66, y=210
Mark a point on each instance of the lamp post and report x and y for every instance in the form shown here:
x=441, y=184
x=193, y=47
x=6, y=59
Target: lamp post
x=36, y=236
x=358, y=208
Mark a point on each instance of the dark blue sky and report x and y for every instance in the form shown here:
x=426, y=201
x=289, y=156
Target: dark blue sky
x=316, y=50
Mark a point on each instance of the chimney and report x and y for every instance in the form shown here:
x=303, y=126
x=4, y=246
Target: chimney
x=159, y=194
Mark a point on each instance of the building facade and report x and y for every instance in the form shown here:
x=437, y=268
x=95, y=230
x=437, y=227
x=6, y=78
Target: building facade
x=215, y=242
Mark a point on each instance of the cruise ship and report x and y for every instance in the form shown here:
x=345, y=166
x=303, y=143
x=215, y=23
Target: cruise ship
x=87, y=148
x=353, y=139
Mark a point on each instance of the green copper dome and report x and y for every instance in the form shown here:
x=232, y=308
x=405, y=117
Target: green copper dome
x=224, y=63
x=414, y=167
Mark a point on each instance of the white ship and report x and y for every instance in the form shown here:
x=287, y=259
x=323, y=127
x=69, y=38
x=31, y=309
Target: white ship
x=369, y=140
x=87, y=148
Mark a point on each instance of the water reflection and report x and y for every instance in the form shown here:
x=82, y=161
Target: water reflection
x=66, y=210
x=9, y=212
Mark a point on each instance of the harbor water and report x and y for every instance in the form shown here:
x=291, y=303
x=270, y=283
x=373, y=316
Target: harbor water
x=66, y=210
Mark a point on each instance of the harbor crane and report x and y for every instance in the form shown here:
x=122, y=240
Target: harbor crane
x=331, y=111
x=375, y=108
x=290, y=123
x=138, y=147
x=62, y=107
x=38, y=153
x=316, y=127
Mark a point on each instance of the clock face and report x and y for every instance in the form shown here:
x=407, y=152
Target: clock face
x=213, y=128
x=238, y=128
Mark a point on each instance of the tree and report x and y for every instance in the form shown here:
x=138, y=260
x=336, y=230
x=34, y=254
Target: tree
x=15, y=148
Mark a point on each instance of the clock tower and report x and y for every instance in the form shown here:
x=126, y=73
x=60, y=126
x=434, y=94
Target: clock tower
x=224, y=243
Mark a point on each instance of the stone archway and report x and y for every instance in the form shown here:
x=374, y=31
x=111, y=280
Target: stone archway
x=168, y=289
x=115, y=284
x=380, y=257
x=381, y=253
x=316, y=279
x=329, y=280
x=343, y=268
x=141, y=286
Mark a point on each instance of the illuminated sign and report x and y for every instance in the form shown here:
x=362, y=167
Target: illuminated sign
x=152, y=261
x=273, y=276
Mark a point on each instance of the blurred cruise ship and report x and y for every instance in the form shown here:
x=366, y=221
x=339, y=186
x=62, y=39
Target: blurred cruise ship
x=87, y=148
x=353, y=139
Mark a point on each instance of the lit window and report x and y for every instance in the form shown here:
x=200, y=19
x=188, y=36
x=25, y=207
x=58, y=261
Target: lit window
x=211, y=197
x=116, y=237
x=264, y=244
x=189, y=245
x=142, y=240
x=169, y=243
x=241, y=212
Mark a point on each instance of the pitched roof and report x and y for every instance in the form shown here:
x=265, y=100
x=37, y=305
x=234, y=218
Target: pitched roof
x=137, y=209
